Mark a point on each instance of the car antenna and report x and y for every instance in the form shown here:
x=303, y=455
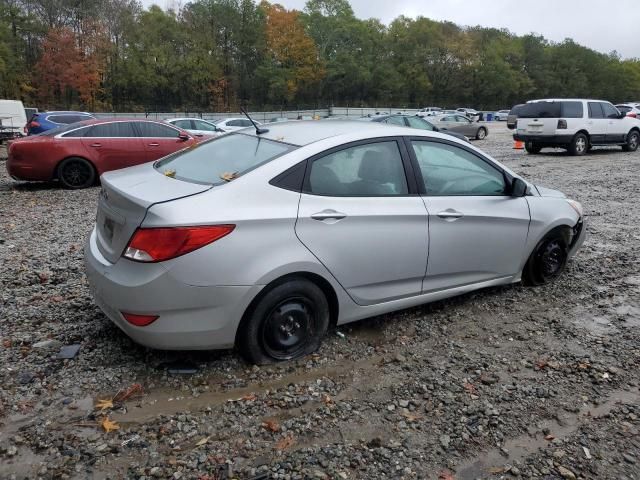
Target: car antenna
x=259, y=130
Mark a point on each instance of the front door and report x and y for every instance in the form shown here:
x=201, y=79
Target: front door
x=598, y=124
x=359, y=218
x=616, y=131
x=477, y=232
x=160, y=140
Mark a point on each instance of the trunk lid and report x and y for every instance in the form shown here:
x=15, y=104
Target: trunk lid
x=126, y=196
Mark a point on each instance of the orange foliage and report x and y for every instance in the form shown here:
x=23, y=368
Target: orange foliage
x=67, y=65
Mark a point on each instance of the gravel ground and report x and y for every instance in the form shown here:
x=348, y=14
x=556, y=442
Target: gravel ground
x=501, y=383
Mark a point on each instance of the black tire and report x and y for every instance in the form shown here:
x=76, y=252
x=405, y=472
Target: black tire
x=75, y=173
x=532, y=147
x=481, y=134
x=633, y=141
x=579, y=145
x=286, y=323
x=548, y=260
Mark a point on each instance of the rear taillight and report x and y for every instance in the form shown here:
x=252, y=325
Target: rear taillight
x=562, y=124
x=159, y=244
x=632, y=115
x=139, y=320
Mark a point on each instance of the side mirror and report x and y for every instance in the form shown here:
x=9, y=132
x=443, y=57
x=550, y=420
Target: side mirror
x=518, y=187
x=184, y=137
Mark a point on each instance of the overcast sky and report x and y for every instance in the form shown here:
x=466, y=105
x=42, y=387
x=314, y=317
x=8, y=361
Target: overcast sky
x=604, y=25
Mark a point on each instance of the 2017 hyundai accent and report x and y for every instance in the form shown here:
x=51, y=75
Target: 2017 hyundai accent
x=264, y=238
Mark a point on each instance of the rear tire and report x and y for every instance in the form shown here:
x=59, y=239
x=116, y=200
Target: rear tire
x=532, y=147
x=481, y=134
x=75, y=173
x=547, y=261
x=579, y=145
x=633, y=140
x=286, y=323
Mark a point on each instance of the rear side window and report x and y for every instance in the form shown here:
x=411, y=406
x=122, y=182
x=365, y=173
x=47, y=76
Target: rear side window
x=572, y=109
x=417, y=122
x=624, y=108
x=186, y=124
x=112, y=130
x=221, y=160
x=396, y=121
x=80, y=132
x=156, y=130
x=595, y=110
x=540, y=110
x=370, y=170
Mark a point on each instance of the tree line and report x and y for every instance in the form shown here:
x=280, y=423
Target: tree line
x=215, y=55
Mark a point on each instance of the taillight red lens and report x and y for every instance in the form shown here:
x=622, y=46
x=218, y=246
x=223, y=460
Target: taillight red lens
x=139, y=320
x=33, y=124
x=159, y=244
x=632, y=115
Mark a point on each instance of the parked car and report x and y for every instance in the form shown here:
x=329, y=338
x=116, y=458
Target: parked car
x=428, y=111
x=629, y=110
x=79, y=153
x=512, y=118
x=196, y=126
x=279, y=119
x=412, y=121
x=501, y=115
x=576, y=125
x=233, y=124
x=470, y=113
x=264, y=240
x=463, y=125
x=43, y=121
x=12, y=119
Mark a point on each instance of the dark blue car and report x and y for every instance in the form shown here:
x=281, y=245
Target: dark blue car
x=43, y=121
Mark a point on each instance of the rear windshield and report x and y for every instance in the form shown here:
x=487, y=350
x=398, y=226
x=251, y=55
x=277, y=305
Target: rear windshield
x=624, y=108
x=222, y=159
x=551, y=110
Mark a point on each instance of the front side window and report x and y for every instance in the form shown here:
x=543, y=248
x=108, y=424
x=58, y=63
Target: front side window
x=461, y=119
x=156, y=130
x=221, y=160
x=448, y=170
x=200, y=125
x=609, y=110
x=185, y=124
x=112, y=130
x=373, y=169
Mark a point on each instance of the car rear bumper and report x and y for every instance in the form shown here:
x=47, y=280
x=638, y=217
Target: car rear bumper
x=544, y=139
x=190, y=317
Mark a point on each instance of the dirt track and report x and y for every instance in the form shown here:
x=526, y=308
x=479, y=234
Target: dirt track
x=514, y=381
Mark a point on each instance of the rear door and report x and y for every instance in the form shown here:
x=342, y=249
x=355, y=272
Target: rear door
x=160, y=140
x=597, y=124
x=114, y=145
x=360, y=216
x=477, y=231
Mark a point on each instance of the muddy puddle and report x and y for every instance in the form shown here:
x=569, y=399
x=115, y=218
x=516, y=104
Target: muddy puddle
x=496, y=461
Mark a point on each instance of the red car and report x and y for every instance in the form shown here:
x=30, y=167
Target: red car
x=79, y=153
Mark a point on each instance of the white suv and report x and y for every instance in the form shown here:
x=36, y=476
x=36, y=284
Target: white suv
x=575, y=124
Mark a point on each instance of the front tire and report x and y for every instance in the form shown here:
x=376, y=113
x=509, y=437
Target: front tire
x=481, y=134
x=532, y=147
x=579, y=145
x=286, y=323
x=75, y=173
x=633, y=141
x=547, y=261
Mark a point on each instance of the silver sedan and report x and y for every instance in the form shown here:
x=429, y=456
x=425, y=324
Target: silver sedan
x=263, y=239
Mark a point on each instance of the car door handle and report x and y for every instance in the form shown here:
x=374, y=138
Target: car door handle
x=450, y=214
x=328, y=215
x=154, y=144
x=96, y=144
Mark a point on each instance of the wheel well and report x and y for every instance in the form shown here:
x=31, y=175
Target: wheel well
x=320, y=282
x=585, y=133
x=564, y=230
x=634, y=129
x=55, y=171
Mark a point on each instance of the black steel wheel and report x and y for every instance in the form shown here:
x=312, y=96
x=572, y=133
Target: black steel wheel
x=547, y=261
x=76, y=172
x=287, y=322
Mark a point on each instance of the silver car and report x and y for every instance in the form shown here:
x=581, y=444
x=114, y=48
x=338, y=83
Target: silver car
x=264, y=239
x=460, y=124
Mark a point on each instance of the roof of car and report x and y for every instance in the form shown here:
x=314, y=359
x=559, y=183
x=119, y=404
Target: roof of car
x=184, y=118
x=305, y=132
x=65, y=112
x=567, y=100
